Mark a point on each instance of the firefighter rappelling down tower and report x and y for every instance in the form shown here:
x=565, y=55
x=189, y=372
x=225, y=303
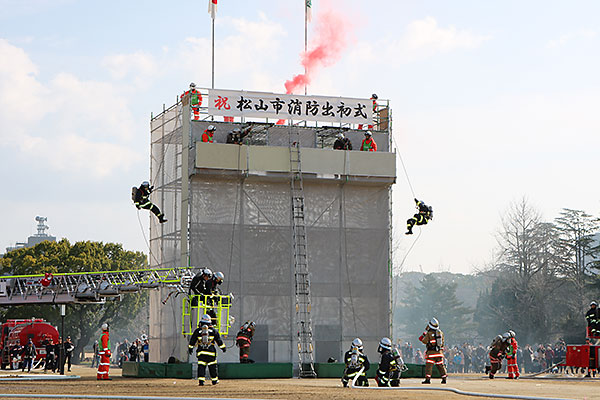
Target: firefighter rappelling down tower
x=424, y=215
x=141, y=199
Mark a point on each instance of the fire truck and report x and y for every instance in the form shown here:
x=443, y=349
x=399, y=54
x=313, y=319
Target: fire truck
x=19, y=331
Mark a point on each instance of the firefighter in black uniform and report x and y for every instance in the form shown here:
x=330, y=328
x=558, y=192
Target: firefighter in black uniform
x=243, y=340
x=141, y=199
x=237, y=135
x=593, y=320
x=356, y=360
x=197, y=286
x=387, y=364
x=205, y=337
x=211, y=291
x=342, y=143
x=421, y=218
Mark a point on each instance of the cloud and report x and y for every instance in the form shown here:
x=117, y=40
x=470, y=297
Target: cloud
x=251, y=48
x=421, y=39
x=569, y=37
x=84, y=127
x=139, y=66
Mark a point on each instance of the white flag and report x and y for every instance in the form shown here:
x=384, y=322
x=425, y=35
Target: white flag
x=212, y=8
x=309, y=10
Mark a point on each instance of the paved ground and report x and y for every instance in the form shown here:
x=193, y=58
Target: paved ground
x=329, y=389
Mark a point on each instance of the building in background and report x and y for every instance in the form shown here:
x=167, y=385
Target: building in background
x=34, y=239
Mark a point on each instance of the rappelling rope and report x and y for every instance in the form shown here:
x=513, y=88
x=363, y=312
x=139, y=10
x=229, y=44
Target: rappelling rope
x=146, y=239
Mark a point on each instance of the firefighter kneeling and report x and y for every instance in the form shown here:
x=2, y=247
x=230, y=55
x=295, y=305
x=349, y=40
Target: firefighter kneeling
x=356, y=362
x=204, y=337
x=391, y=364
x=433, y=338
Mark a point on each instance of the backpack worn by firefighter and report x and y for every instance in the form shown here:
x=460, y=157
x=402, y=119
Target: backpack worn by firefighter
x=387, y=364
x=357, y=363
x=243, y=340
x=424, y=215
x=497, y=352
x=204, y=338
x=141, y=199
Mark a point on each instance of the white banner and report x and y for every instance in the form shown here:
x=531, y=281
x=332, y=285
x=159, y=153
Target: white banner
x=234, y=103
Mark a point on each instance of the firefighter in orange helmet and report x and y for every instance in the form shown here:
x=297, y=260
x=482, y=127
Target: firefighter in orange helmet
x=433, y=338
x=104, y=351
x=195, y=100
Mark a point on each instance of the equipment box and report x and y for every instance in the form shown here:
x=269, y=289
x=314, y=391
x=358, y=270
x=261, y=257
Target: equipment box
x=579, y=355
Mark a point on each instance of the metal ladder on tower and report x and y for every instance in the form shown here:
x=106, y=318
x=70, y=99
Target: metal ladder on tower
x=302, y=280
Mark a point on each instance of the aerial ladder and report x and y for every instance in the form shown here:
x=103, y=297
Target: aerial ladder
x=301, y=275
x=89, y=287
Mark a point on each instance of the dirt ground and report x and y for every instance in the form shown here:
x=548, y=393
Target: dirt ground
x=295, y=388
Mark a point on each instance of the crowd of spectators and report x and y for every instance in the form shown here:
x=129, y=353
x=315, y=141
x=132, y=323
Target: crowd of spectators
x=136, y=351
x=470, y=358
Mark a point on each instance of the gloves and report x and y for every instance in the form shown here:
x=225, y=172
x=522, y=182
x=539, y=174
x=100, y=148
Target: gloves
x=137, y=206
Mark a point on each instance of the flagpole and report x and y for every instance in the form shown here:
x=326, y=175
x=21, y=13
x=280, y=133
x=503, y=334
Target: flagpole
x=305, y=39
x=213, y=53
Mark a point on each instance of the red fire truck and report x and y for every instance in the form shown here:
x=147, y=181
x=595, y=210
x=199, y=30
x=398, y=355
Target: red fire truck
x=19, y=331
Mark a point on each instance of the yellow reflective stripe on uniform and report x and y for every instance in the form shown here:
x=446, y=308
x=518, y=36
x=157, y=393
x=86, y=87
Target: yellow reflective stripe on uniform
x=207, y=353
x=212, y=362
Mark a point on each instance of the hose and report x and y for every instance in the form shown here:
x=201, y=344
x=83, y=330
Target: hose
x=103, y=396
x=449, y=389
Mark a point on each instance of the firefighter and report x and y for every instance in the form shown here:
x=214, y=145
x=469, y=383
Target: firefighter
x=205, y=337
x=244, y=340
x=195, y=100
x=356, y=362
x=424, y=215
x=399, y=366
x=208, y=135
x=387, y=363
x=368, y=144
x=141, y=199
x=212, y=292
x=235, y=136
x=374, y=98
x=511, y=356
x=593, y=320
x=198, y=283
x=50, y=356
x=497, y=352
x=342, y=142
x=104, y=351
x=433, y=338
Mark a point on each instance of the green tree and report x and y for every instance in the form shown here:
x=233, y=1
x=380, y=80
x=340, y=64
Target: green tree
x=432, y=298
x=82, y=321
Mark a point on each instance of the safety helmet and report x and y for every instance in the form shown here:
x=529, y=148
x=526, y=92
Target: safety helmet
x=144, y=336
x=105, y=326
x=433, y=324
x=374, y=96
x=340, y=135
x=219, y=276
x=384, y=344
x=511, y=333
x=368, y=133
x=237, y=131
x=593, y=304
x=207, y=272
x=211, y=128
x=505, y=336
x=357, y=343
x=146, y=183
x=192, y=86
x=205, y=319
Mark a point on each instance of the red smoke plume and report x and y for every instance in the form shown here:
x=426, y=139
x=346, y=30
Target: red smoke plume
x=329, y=39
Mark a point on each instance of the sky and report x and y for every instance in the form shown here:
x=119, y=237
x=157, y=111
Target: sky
x=492, y=102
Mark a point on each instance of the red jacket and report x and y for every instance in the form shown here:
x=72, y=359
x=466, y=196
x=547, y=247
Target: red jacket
x=195, y=101
x=368, y=145
x=207, y=137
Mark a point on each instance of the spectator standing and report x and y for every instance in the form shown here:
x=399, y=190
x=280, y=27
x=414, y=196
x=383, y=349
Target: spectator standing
x=146, y=348
x=528, y=359
x=28, y=356
x=133, y=352
x=15, y=356
x=68, y=348
x=95, y=356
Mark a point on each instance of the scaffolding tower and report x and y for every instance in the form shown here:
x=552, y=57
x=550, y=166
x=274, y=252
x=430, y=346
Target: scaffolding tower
x=247, y=210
